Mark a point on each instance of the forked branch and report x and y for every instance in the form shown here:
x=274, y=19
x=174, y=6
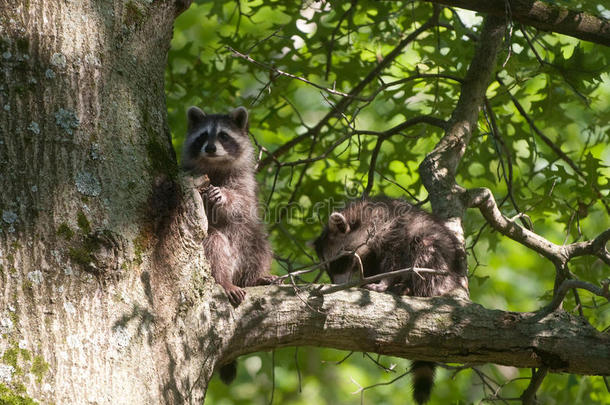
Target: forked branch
x=483, y=199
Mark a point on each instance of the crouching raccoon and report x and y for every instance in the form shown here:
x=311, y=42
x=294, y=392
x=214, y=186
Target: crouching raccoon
x=387, y=235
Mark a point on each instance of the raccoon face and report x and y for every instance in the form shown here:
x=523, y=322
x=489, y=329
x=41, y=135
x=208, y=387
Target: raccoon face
x=338, y=243
x=216, y=141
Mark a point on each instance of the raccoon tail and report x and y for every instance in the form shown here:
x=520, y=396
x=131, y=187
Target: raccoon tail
x=228, y=372
x=423, y=380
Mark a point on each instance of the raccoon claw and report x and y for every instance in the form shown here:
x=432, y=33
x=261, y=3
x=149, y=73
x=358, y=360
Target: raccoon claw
x=214, y=195
x=236, y=294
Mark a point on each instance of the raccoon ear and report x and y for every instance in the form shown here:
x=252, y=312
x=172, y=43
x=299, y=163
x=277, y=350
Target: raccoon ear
x=240, y=116
x=194, y=116
x=338, y=223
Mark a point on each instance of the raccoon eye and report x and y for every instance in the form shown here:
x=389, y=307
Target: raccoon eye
x=223, y=136
x=198, y=142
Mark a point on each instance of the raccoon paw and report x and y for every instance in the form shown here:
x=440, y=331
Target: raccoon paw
x=214, y=195
x=236, y=294
x=266, y=280
x=375, y=287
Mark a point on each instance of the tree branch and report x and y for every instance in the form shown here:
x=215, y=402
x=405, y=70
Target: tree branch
x=542, y=15
x=595, y=247
x=367, y=280
x=569, y=284
x=483, y=199
x=438, y=169
x=439, y=329
x=529, y=395
x=346, y=101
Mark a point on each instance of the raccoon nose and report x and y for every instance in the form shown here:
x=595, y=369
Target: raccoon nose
x=210, y=148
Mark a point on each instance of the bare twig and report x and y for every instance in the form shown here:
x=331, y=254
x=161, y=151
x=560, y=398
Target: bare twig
x=331, y=43
x=555, y=148
x=346, y=101
x=280, y=72
x=569, y=284
x=377, y=277
x=272, y=376
x=399, y=186
x=392, y=381
x=378, y=364
x=296, y=363
x=372, y=164
x=529, y=395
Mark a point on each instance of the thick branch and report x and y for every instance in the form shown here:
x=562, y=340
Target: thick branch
x=542, y=15
x=438, y=169
x=439, y=329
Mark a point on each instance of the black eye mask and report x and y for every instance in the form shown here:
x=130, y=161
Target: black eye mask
x=198, y=143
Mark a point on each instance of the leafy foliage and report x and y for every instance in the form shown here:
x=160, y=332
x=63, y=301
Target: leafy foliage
x=541, y=147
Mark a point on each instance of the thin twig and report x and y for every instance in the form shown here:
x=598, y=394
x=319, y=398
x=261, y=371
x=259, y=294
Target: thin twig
x=272, y=376
x=529, y=395
x=569, y=284
x=280, y=72
x=555, y=148
x=345, y=102
x=377, y=277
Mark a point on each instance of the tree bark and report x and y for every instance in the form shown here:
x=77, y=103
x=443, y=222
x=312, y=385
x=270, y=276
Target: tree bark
x=90, y=205
x=442, y=329
x=541, y=15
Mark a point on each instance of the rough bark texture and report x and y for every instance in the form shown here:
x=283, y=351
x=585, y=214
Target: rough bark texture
x=542, y=15
x=87, y=305
x=437, y=329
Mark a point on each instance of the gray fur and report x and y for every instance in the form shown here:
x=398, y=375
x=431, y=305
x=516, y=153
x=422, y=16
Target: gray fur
x=237, y=246
x=391, y=234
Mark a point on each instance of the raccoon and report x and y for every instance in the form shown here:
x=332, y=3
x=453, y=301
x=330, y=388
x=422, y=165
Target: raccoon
x=391, y=234
x=236, y=246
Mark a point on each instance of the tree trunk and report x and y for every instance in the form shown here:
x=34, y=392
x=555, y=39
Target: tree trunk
x=105, y=296
x=88, y=305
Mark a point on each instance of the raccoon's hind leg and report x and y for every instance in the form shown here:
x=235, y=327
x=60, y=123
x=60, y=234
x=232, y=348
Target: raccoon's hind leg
x=219, y=253
x=428, y=252
x=256, y=261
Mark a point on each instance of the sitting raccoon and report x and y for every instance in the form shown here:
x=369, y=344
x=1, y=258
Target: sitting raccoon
x=236, y=247
x=387, y=235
